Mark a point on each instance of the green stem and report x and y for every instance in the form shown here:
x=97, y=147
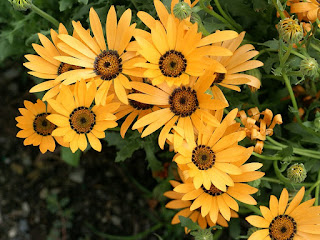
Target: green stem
x=134, y=237
x=278, y=9
x=288, y=85
x=134, y=3
x=264, y=51
x=299, y=151
x=250, y=207
x=203, y=29
x=270, y=139
x=45, y=15
x=317, y=191
x=287, y=180
x=217, y=234
x=286, y=56
x=229, y=19
x=271, y=180
x=294, y=52
x=315, y=185
x=216, y=15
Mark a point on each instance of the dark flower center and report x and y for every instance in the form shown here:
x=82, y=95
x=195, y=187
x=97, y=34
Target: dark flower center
x=282, y=227
x=65, y=67
x=213, y=191
x=42, y=126
x=183, y=101
x=82, y=120
x=203, y=157
x=108, y=65
x=172, y=63
x=138, y=105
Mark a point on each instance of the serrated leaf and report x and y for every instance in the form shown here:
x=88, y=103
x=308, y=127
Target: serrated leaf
x=188, y=223
x=127, y=151
x=271, y=44
x=69, y=157
x=286, y=152
x=65, y=4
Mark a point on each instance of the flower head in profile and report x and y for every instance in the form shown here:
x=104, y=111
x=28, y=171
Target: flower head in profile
x=77, y=119
x=210, y=158
x=106, y=63
x=240, y=61
x=293, y=221
x=45, y=66
x=36, y=129
x=183, y=107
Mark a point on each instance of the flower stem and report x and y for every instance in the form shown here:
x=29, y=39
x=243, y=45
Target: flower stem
x=278, y=9
x=216, y=15
x=317, y=191
x=229, y=19
x=275, y=158
x=288, y=85
x=45, y=15
x=250, y=207
x=287, y=180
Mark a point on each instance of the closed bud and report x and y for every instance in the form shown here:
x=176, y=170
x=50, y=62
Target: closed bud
x=297, y=173
x=21, y=5
x=290, y=30
x=309, y=67
x=316, y=122
x=203, y=234
x=182, y=10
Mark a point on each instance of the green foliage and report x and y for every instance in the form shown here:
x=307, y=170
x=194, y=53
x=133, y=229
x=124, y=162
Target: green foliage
x=69, y=157
x=133, y=142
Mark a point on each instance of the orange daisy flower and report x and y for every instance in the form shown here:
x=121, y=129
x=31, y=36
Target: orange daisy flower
x=210, y=157
x=77, y=119
x=256, y=128
x=291, y=222
x=36, y=129
x=212, y=202
x=306, y=10
x=184, y=205
x=237, y=63
x=174, y=53
x=107, y=64
x=179, y=106
x=133, y=110
x=45, y=65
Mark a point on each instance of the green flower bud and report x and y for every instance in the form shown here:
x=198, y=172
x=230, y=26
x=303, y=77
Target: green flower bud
x=316, y=123
x=203, y=234
x=182, y=10
x=290, y=30
x=21, y=5
x=297, y=173
x=309, y=67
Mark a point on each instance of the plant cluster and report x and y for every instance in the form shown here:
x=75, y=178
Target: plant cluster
x=175, y=79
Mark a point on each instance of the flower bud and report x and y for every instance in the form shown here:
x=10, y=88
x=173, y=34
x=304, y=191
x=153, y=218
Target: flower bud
x=309, y=67
x=21, y=5
x=290, y=30
x=182, y=10
x=203, y=234
x=297, y=173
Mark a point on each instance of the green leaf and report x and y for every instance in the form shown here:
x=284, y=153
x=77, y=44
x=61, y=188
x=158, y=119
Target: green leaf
x=188, y=223
x=69, y=157
x=160, y=189
x=271, y=44
x=65, y=4
x=286, y=152
x=259, y=5
x=234, y=228
x=85, y=2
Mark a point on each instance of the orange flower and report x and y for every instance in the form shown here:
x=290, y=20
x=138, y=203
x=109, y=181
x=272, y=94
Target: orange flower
x=258, y=128
x=306, y=10
x=291, y=222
